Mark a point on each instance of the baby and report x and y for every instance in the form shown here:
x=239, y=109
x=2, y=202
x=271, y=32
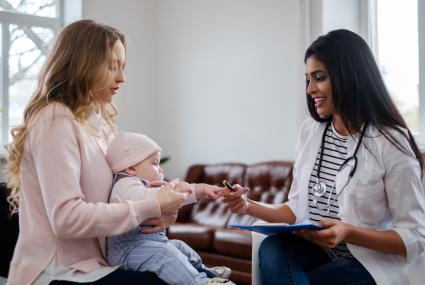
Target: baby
x=134, y=160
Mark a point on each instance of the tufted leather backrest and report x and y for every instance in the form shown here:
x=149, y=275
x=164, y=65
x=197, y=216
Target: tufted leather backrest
x=268, y=182
x=214, y=212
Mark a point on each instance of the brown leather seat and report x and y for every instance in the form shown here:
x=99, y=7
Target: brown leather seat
x=205, y=226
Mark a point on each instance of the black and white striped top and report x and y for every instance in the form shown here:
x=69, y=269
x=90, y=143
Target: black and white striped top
x=334, y=154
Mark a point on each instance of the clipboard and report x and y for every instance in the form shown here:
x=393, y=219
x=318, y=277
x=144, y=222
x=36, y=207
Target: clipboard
x=279, y=228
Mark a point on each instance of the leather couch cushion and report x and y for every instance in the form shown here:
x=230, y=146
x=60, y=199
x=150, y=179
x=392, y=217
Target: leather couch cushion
x=233, y=242
x=268, y=182
x=199, y=237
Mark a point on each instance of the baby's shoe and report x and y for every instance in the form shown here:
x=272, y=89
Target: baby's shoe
x=219, y=281
x=221, y=271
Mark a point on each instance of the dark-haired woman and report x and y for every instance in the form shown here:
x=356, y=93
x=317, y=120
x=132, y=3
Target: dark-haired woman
x=357, y=173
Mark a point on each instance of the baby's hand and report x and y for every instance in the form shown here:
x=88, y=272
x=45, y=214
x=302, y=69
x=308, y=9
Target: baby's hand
x=156, y=183
x=208, y=191
x=184, y=187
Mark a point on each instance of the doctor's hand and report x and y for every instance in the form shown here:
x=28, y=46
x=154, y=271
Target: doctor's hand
x=236, y=201
x=334, y=232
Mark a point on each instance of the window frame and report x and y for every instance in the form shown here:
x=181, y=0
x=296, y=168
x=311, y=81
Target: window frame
x=370, y=10
x=421, y=46
x=8, y=18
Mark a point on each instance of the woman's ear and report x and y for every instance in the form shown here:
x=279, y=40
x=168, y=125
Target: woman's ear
x=131, y=170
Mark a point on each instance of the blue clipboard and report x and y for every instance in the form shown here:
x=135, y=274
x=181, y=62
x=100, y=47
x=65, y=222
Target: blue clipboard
x=272, y=229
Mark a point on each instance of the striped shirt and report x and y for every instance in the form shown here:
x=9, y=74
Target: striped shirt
x=334, y=154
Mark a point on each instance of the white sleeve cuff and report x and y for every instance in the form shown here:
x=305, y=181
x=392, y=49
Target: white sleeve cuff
x=414, y=244
x=191, y=198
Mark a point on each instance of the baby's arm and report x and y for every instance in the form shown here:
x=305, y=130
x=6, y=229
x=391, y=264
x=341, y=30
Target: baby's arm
x=131, y=189
x=201, y=190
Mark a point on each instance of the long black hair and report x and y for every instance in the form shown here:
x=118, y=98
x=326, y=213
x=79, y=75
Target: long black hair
x=358, y=90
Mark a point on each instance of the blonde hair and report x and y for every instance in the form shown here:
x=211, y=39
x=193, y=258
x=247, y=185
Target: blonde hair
x=76, y=66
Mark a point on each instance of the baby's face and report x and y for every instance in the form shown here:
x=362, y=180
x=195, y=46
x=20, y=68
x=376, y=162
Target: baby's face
x=149, y=168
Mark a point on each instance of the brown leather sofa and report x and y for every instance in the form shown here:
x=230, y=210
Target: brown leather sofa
x=205, y=225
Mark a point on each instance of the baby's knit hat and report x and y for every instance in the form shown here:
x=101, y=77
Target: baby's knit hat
x=128, y=149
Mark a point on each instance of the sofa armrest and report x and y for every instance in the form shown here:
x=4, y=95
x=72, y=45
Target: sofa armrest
x=257, y=239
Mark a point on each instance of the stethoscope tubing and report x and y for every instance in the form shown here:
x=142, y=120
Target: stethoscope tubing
x=345, y=163
x=352, y=157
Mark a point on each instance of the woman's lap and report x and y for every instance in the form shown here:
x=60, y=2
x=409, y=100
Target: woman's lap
x=288, y=259
x=343, y=270
x=120, y=276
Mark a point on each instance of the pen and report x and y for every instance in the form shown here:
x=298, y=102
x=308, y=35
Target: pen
x=228, y=186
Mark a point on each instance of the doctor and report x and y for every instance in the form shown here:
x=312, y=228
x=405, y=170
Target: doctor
x=357, y=173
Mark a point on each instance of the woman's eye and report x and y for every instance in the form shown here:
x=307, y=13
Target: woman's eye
x=320, y=78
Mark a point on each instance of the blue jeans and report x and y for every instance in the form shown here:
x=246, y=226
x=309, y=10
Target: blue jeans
x=289, y=259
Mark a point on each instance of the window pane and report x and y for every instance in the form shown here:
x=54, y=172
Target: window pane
x=28, y=50
x=44, y=8
x=398, y=55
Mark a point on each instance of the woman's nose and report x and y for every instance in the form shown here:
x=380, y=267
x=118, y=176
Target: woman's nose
x=120, y=77
x=311, y=87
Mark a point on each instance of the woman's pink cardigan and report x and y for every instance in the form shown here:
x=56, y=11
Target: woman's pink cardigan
x=65, y=187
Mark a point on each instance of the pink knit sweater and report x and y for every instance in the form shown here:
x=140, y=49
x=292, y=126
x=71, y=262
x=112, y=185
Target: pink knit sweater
x=63, y=210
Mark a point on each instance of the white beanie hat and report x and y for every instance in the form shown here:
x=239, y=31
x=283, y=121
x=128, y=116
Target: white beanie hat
x=129, y=149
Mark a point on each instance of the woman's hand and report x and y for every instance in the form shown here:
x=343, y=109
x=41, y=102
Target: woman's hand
x=334, y=232
x=169, y=200
x=157, y=224
x=236, y=201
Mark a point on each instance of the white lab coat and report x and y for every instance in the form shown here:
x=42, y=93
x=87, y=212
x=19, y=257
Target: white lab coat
x=384, y=193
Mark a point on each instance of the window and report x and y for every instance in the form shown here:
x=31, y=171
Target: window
x=397, y=39
x=27, y=30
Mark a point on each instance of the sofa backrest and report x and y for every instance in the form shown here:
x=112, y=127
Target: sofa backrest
x=213, y=212
x=268, y=182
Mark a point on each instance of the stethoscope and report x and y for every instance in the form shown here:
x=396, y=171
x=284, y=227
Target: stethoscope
x=319, y=188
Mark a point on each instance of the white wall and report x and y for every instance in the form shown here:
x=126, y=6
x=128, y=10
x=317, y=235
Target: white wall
x=211, y=81
x=327, y=15
x=137, y=97
x=216, y=80
x=228, y=78
x=341, y=14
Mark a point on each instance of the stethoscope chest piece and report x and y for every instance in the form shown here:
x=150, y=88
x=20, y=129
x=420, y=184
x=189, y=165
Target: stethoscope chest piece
x=319, y=189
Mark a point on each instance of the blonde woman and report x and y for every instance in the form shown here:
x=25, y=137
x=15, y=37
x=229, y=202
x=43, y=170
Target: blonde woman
x=58, y=173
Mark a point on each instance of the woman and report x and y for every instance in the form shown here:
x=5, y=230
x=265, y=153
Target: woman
x=357, y=173
x=58, y=173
